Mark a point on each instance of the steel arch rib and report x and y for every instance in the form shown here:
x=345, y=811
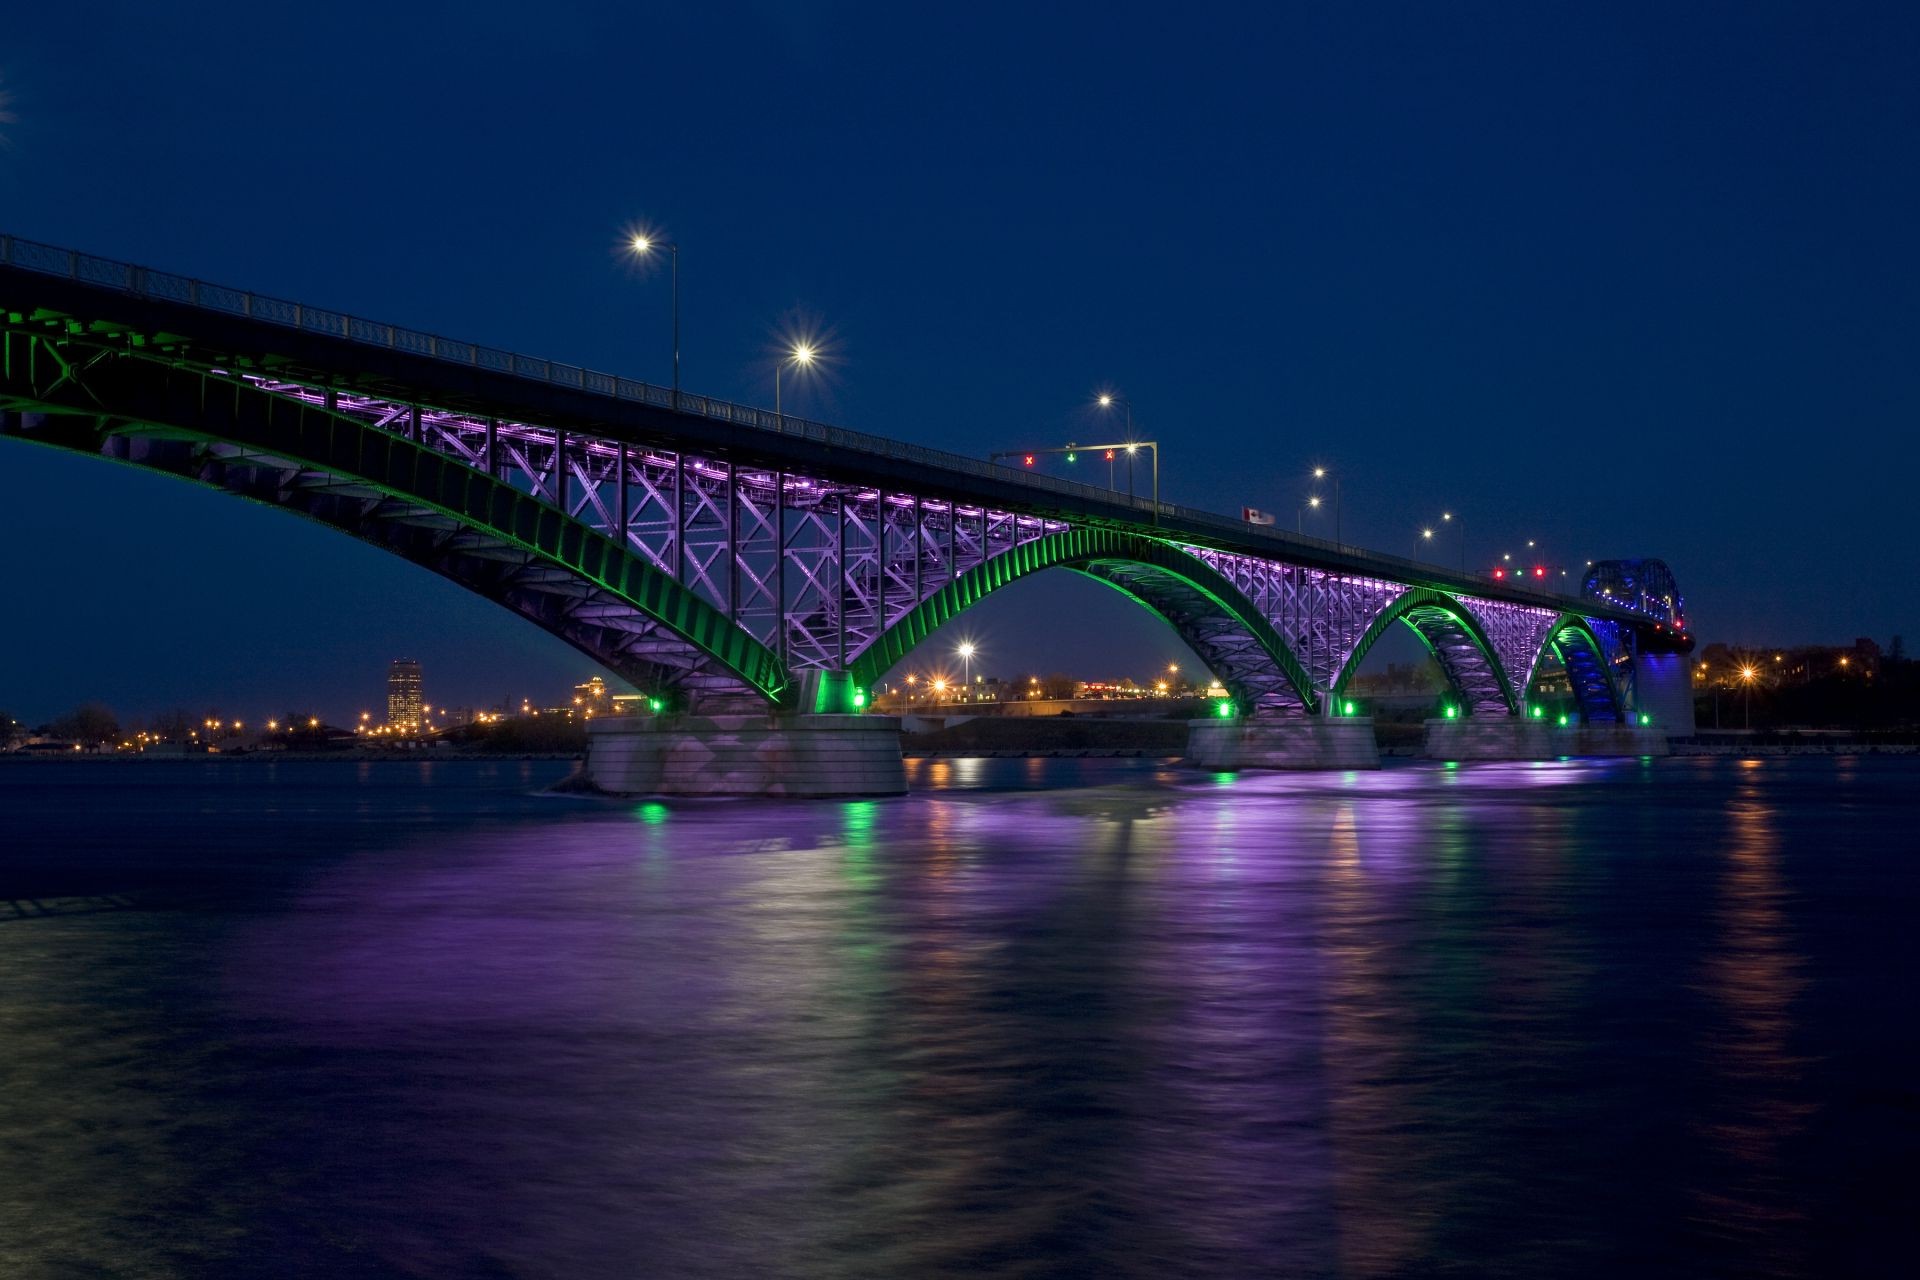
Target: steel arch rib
x=230, y=411
x=1416, y=598
x=1079, y=548
x=1585, y=635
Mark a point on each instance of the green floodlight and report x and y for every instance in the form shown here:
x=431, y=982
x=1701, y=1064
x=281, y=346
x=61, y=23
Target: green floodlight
x=1073, y=457
x=1563, y=719
x=859, y=698
x=1645, y=719
x=1538, y=712
x=1453, y=713
x=656, y=705
x=1225, y=711
x=1346, y=708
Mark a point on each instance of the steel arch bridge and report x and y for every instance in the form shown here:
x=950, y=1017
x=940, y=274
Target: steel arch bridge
x=721, y=555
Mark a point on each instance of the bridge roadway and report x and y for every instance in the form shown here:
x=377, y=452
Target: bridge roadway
x=723, y=557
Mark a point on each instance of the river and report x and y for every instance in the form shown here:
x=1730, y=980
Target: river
x=1055, y=1017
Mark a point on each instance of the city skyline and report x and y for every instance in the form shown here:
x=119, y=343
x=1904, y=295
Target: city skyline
x=1543, y=320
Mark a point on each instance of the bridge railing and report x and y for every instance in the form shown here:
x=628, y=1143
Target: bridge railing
x=145, y=282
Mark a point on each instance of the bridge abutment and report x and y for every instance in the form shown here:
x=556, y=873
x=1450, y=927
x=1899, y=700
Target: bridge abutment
x=1513, y=738
x=1308, y=742
x=1663, y=689
x=747, y=755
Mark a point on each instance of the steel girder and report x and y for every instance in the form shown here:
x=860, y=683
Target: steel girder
x=476, y=530
x=1204, y=608
x=686, y=571
x=1458, y=643
x=1582, y=653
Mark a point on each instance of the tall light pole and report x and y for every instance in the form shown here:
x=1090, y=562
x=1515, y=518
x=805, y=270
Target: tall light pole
x=966, y=665
x=1426, y=539
x=1106, y=401
x=1747, y=674
x=1446, y=517
x=800, y=356
x=1320, y=473
x=644, y=245
x=1300, y=513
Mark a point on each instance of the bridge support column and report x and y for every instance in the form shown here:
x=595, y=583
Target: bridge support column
x=1499, y=737
x=1663, y=689
x=1307, y=742
x=746, y=755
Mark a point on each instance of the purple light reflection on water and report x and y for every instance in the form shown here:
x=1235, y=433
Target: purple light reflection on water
x=1505, y=1019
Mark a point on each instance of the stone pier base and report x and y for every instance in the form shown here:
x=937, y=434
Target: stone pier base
x=1310, y=742
x=747, y=755
x=1512, y=738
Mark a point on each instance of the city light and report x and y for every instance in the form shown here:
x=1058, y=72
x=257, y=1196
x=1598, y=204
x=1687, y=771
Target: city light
x=1225, y=711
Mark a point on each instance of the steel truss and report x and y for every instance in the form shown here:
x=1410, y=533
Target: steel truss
x=815, y=570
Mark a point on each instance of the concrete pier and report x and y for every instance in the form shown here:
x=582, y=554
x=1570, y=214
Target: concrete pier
x=747, y=755
x=1309, y=742
x=1513, y=738
x=1663, y=687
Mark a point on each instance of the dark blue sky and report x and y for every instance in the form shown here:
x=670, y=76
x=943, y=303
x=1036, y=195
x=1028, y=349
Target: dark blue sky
x=1637, y=280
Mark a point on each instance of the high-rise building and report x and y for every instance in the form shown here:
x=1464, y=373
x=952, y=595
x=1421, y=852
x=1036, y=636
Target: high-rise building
x=403, y=694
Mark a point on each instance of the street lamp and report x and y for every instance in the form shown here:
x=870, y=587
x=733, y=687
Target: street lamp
x=1106, y=401
x=1320, y=473
x=642, y=246
x=1446, y=517
x=1747, y=674
x=801, y=356
x=966, y=663
x=1299, y=513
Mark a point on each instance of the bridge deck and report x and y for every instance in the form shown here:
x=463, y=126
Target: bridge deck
x=217, y=326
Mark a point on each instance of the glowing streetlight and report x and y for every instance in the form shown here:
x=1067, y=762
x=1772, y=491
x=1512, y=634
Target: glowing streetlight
x=1321, y=473
x=800, y=355
x=642, y=246
x=1447, y=517
x=1106, y=400
x=966, y=652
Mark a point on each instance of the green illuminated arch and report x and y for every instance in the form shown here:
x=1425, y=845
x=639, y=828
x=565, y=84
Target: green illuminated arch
x=1594, y=687
x=1083, y=549
x=173, y=402
x=1425, y=600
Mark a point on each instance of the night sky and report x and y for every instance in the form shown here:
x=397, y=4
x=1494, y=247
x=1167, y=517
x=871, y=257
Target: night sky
x=1628, y=280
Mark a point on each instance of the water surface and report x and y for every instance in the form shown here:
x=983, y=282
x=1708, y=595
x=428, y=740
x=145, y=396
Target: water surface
x=1038, y=1018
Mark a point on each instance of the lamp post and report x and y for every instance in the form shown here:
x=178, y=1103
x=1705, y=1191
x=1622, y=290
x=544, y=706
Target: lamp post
x=966, y=665
x=1426, y=540
x=1747, y=675
x=1106, y=401
x=1320, y=473
x=800, y=356
x=1447, y=517
x=644, y=245
x=1300, y=512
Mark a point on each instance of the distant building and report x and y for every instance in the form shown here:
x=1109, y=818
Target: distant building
x=405, y=706
x=592, y=696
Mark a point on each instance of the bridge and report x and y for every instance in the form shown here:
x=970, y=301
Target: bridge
x=756, y=572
